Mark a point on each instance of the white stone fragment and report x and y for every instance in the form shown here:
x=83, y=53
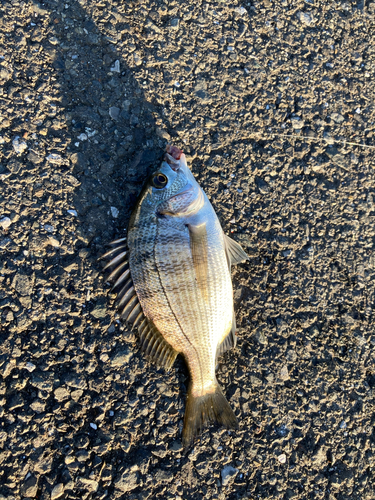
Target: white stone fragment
x=227, y=474
x=54, y=158
x=116, y=67
x=5, y=222
x=19, y=145
x=114, y=212
x=93, y=426
x=90, y=132
x=305, y=18
x=72, y=212
x=282, y=458
x=241, y=11
x=30, y=366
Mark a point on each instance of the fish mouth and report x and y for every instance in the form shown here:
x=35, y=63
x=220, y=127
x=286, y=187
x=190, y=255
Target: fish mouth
x=173, y=156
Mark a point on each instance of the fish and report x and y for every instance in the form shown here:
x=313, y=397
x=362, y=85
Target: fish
x=172, y=275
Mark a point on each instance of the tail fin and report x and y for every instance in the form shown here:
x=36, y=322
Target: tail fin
x=210, y=408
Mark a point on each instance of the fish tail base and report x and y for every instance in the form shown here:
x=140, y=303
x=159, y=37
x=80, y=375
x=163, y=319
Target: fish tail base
x=209, y=408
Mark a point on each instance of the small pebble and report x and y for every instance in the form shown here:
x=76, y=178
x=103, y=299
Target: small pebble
x=19, y=145
x=54, y=158
x=114, y=112
x=30, y=366
x=282, y=458
x=240, y=10
x=114, y=212
x=305, y=18
x=57, y=491
x=93, y=426
x=5, y=222
x=175, y=23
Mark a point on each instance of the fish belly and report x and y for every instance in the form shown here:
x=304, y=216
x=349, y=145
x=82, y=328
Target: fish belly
x=191, y=320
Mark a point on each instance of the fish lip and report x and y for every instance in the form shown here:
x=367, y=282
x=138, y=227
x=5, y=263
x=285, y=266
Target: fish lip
x=173, y=157
x=172, y=162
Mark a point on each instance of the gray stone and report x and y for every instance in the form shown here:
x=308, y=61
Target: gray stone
x=19, y=145
x=88, y=484
x=336, y=117
x=30, y=487
x=121, y=358
x=297, y=123
x=57, y=491
x=74, y=380
x=14, y=166
x=114, y=112
x=175, y=23
x=22, y=284
x=127, y=482
x=43, y=381
x=228, y=474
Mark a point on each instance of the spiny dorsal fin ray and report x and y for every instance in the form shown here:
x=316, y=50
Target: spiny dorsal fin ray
x=117, y=271
x=116, y=242
x=113, y=251
x=124, y=276
x=120, y=258
x=156, y=347
x=234, y=252
x=152, y=342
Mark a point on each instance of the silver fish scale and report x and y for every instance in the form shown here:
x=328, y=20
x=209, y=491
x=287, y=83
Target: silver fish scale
x=165, y=280
x=179, y=292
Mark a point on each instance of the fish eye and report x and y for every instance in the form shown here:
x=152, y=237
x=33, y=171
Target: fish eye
x=159, y=180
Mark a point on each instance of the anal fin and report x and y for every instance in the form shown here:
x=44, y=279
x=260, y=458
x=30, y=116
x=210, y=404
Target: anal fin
x=229, y=341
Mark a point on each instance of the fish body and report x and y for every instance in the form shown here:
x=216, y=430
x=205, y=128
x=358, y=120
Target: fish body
x=179, y=264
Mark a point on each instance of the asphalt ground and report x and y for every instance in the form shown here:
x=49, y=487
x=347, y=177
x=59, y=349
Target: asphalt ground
x=273, y=104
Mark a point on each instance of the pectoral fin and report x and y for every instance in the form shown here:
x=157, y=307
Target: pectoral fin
x=234, y=252
x=199, y=247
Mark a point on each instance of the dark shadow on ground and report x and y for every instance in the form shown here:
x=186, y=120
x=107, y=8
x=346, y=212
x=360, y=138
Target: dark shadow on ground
x=110, y=125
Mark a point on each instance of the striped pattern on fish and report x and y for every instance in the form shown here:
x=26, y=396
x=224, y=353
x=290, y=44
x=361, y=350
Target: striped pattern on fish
x=175, y=285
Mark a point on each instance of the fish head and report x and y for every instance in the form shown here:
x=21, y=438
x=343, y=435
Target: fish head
x=172, y=189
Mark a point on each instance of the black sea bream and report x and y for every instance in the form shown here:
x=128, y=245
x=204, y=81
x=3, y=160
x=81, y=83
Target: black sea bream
x=174, y=280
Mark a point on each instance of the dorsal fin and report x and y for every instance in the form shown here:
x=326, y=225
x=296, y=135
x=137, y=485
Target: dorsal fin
x=155, y=346
x=129, y=307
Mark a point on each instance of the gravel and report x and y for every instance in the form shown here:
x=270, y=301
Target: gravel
x=269, y=101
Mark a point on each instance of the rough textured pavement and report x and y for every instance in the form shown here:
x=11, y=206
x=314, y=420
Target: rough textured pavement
x=90, y=93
